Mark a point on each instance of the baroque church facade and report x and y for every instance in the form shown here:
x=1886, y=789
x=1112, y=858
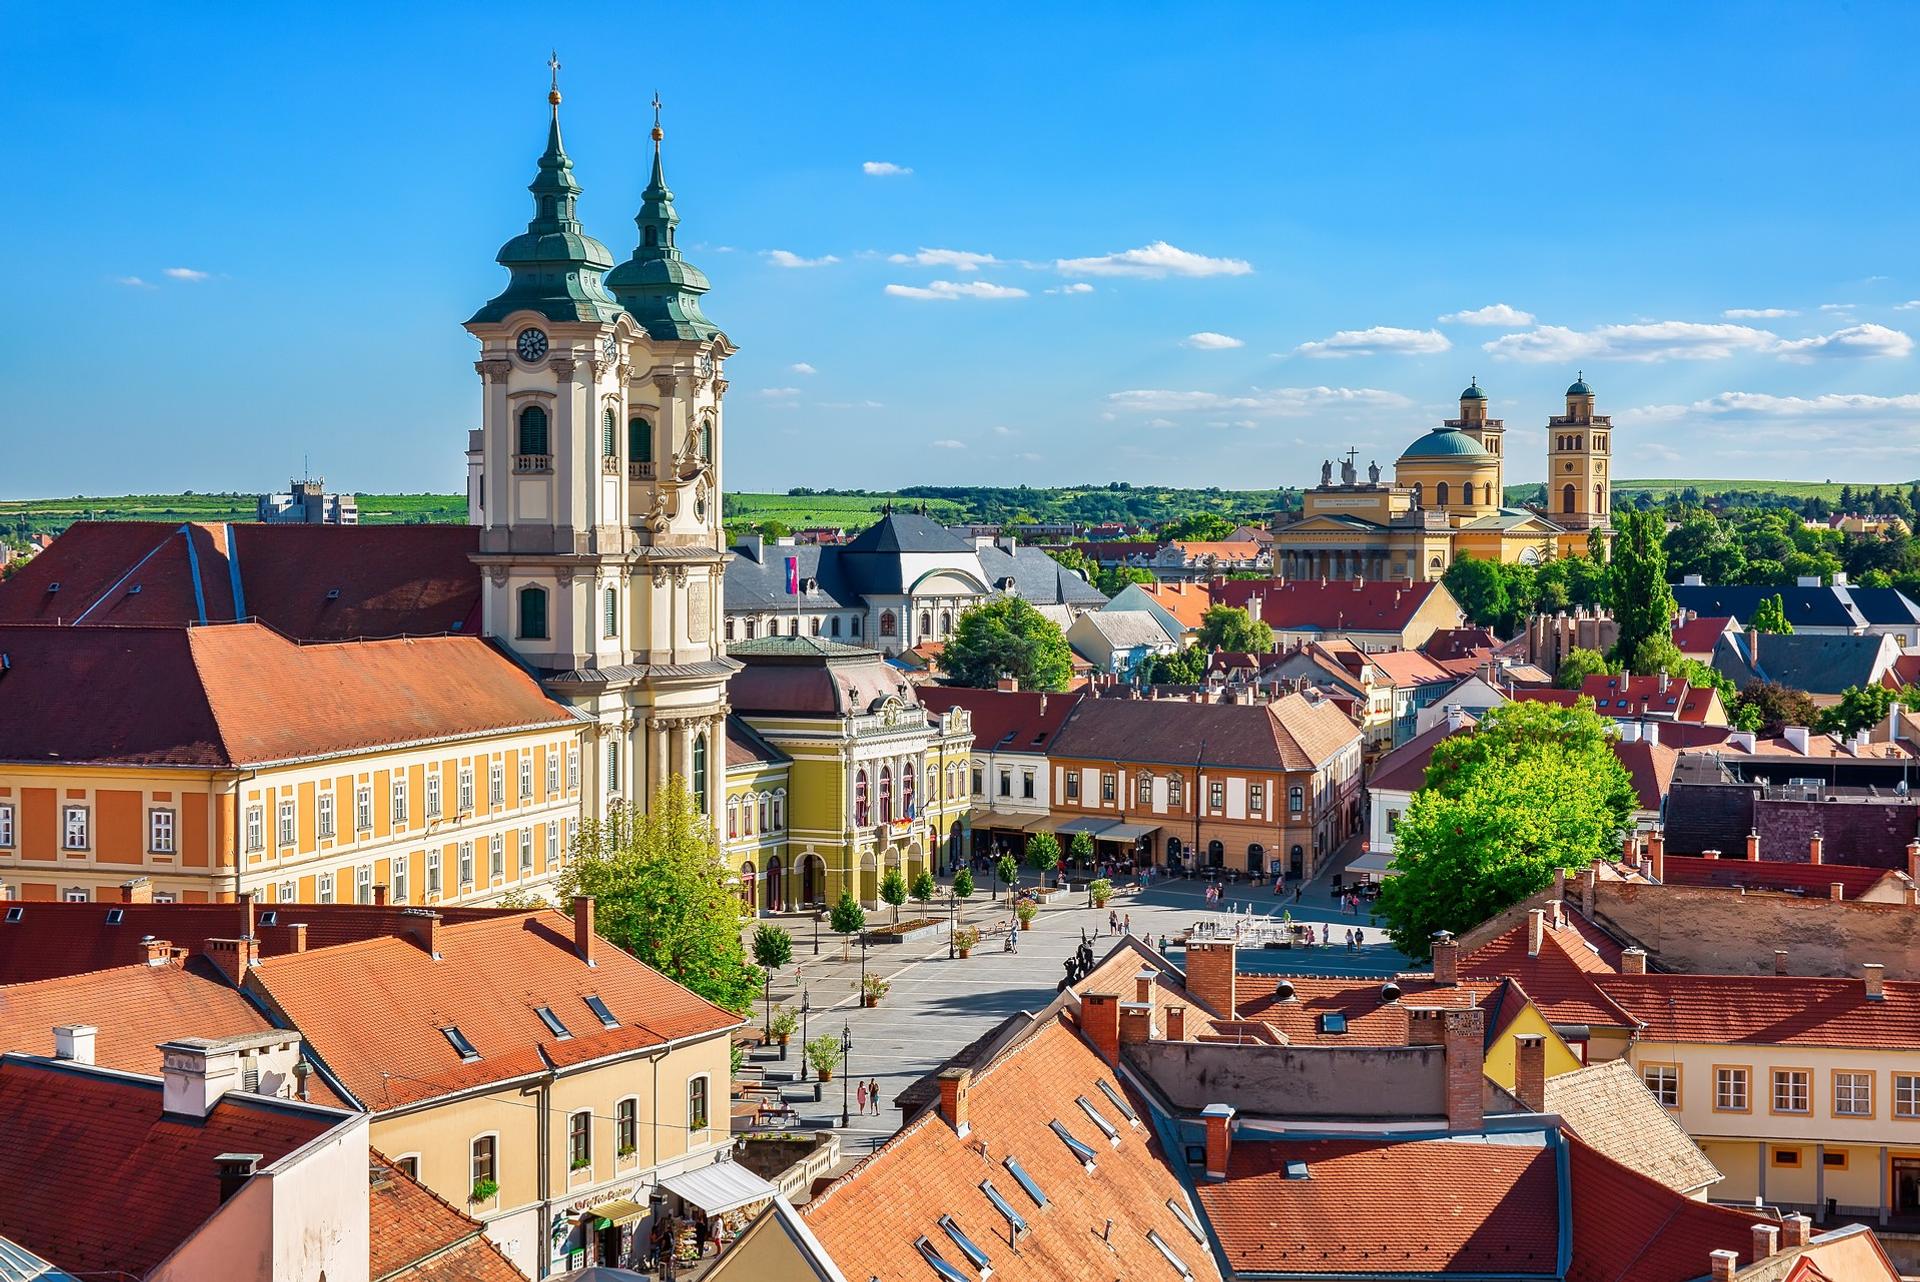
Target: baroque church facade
x=594, y=482
x=1447, y=500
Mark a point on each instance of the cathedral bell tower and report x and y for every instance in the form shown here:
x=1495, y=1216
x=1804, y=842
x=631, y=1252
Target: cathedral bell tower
x=595, y=481
x=1490, y=432
x=1579, y=450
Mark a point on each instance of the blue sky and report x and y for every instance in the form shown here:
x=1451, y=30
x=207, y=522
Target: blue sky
x=1221, y=242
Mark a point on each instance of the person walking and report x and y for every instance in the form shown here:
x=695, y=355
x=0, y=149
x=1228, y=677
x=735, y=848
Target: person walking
x=873, y=1094
x=860, y=1096
x=1128, y=923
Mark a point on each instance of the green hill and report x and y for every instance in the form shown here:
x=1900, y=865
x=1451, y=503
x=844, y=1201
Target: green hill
x=1747, y=490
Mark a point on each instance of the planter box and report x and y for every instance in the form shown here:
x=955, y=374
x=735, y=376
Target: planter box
x=1052, y=893
x=908, y=932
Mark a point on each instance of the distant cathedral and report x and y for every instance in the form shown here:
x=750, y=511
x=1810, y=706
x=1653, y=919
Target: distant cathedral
x=595, y=482
x=1447, y=499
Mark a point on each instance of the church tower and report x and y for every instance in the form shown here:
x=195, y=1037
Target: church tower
x=595, y=481
x=1579, y=448
x=1490, y=432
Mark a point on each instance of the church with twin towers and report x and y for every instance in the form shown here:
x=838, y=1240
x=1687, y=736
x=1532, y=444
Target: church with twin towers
x=595, y=479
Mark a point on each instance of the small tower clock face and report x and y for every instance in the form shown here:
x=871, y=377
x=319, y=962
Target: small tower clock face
x=706, y=363
x=610, y=348
x=532, y=344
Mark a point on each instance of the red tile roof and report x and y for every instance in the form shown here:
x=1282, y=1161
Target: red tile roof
x=1624, y=697
x=1289, y=734
x=746, y=746
x=1629, y=1228
x=1651, y=765
x=1187, y=602
x=241, y=695
x=1371, y=1020
x=418, y=1237
x=1406, y=668
x=1561, y=980
x=1383, y=1206
x=1770, y=874
x=1350, y=605
x=1697, y=638
x=310, y=582
x=869, y=1219
x=488, y=981
x=95, y=1178
x=1453, y=644
x=1770, y=1010
x=1005, y=720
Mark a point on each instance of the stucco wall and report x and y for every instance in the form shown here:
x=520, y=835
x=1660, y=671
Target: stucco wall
x=1299, y=1081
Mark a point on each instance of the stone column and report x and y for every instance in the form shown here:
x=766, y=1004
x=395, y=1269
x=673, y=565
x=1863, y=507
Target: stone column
x=656, y=756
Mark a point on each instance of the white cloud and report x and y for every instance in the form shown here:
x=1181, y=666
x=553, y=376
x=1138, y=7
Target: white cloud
x=1837, y=307
x=1277, y=402
x=948, y=290
x=779, y=393
x=1077, y=287
x=959, y=260
x=949, y=444
x=134, y=282
x=1913, y=306
x=851, y=405
x=189, y=274
x=1758, y=313
x=1377, y=340
x=801, y=367
x=1828, y=405
x=1208, y=341
x=1153, y=261
x=1492, y=314
x=1655, y=341
x=884, y=169
x=1855, y=340
x=785, y=258
x=1001, y=429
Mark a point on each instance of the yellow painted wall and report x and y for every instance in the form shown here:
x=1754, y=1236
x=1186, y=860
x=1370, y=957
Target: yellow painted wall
x=1500, y=1055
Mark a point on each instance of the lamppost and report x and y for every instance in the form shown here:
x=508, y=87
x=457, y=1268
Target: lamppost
x=863, y=965
x=846, y=1054
x=806, y=1004
x=816, y=932
x=953, y=908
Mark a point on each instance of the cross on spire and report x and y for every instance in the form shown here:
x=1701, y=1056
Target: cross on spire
x=656, y=109
x=553, y=66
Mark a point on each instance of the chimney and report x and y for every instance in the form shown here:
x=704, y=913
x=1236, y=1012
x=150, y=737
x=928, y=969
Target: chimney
x=246, y=915
x=235, y=1169
x=1464, y=1037
x=196, y=1072
x=380, y=894
x=1753, y=845
x=1009, y=684
x=137, y=891
x=1657, y=854
x=234, y=957
x=1536, y=930
x=1210, y=975
x=1456, y=718
x=1725, y=1265
x=1796, y=1230
x=1709, y=854
x=1530, y=1071
x=1176, y=1023
x=423, y=925
x=1633, y=961
x=1136, y=1023
x=297, y=937
x=1446, y=959
x=1766, y=1241
x=1836, y=890
x=1143, y=984
x=1816, y=849
x=1588, y=889
x=1219, y=1121
x=74, y=1042
x=1913, y=861
x=1630, y=850
x=1875, y=975
x=954, y=1084
x=1779, y=961
x=156, y=952
x=583, y=936
x=1100, y=1016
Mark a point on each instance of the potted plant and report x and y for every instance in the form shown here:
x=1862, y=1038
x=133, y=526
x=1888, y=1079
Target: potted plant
x=1102, y=890
x=785, y=1024
x=872, y=989
x=964, y=939
x=579, y=1164
x=624, y=1152
x=483, y=1190
x=823, y=1052
x=1026, y=910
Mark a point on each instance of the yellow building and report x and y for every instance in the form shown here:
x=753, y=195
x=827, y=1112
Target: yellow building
x=753, y=829
x=1447, y=500
x=877, y=782
x=208, y=761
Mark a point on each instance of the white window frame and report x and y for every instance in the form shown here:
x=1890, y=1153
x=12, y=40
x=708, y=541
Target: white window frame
x=76, y=821
x=526, y=778
x=433, y=793
x=1860, y=1085
x=1791, y=1078
x=363, y=808
x=399, y=791
x=554, y=845
x=573, y=768
x=6, y=825
x=323, y=888
x=162, y=829
x=463, y=786
x=363, y=884
x=497, y=859
x=473, y=1170
x=553, y=771
x=435, y=885
x=286, y=823
x=587, y=1158
x=466, y=864
x=496, y=783
x=397, y=877
x=1663, y=1083
x=323, y=815
x=1731, y=1081
x=287, y=892
x=76, y=895
x=1906, y=1095
x=526, y=852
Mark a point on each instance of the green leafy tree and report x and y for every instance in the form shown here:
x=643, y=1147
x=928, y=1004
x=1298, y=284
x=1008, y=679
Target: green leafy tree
x=1114, y=580
x=1043, y=854
x=963, y=883
x=1007, y=637
x=1578, y=665
x=893, y=891
x=1481, y=590
x=1705, y=677
x=1642, y=600
x=1008, y=871
x=1228, y=627
x=922, y=889
x=1536, y=788
x=1198, y=527
x=847, y=919
x=660, y=893
x=1655, y=655
x=772, y=949
x=1771, y=616
x=1767, y=708
x=1081, y=848
x=1181, y=668
x=1860, y=708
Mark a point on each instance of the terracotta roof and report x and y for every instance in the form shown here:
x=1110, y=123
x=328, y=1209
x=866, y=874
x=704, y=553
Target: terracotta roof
x=241, y=695
x=1005, y=720
x=1450, y=644
x=1696, y=638
x=1770, y=1010
x=1561, y=980
x=1625, y=697
x=1405, y=768
x=1288, y=734
x=309, y=582
x=1384, y=1206
x=1628, y=1228
x=97, y=1179
x=1185, y=602
x=1406, y=668
x=50, y=938
x=1341, y=605
x=869, y=1219
x=746, y=747
x=418, y=1237
x=1770, y=874
x=1370, y=1019
x=489, y=980
x=1225, y=551
x=1609, y=1108
x=1651, y=765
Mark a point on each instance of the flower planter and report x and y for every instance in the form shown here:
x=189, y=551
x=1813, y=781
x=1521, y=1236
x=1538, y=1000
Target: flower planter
x=965, y=952
x=1026, y=925
x=869, y=1000
x=826, y=1075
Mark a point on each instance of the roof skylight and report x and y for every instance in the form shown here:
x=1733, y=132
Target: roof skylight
x=1332, y=1022
x=552, y=1021
x=974, y=1254
x=1106, y=1128
x=1016, y=1223
x=932, y=1255
x=1187, y=1221
x=1025, y=1181
x=1079, y=1150
x=600, y=1011
x=458, y=1040
x=1119, y=1101
x=271, y=917
x=1167, y=1251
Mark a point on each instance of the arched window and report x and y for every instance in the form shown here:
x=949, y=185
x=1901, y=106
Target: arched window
x=1466, y=493
x=733, y=817
x=750, y=629
x=1599, y=498
x=700, y=771
x=853, y=625
x=860, y=799
x=746, y=815
x=834, y=626
x=639, y=441
x=886, y=794
x=533, y=430
x=886, y=623
x=533, y=613
x=610, y=434
x=779, y=811
x=766, y=812
x=611, y=623
x=706, y=439
x=816, y=625
x=946, y=622
x=793, y=627
x=1440, y=494
x=906, y=791
x=729, y=629
x=926, y=622
x=1568, y=499
x=1419, y=495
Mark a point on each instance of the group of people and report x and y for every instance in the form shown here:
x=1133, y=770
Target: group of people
x=1119, y=923
x=867, y=1095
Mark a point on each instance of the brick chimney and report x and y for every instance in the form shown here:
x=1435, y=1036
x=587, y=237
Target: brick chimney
x=1816, y=846
x=379, y=894
x=423, y=926
x=954, y=1085
x=1010, y=684
x=1913, y=861
x=1136, y=1023
x=1779, y=961
x=1536, y=930
x=1219, y=1120
x=1796, y=1230
x=1633, y=961
x=1725, y=1265
x=1875, y=976
x=583, y=936
x=1100, y=1016
x=1464, y=1038
x=1176, y=1023
x=297, y=937
x=1657, y=855
x=1446, y=959
x=137, y=891
x=234, y=957
x=156, y=952
x=234, y=1170
x=1709, y=854
x=1836, y=890
x=1630, y=851
x=1530, y=1071
x=1210, y=975
x=247, y=930
x=1589, y=881
x=74, y=1042
x=1143, y=984
x=1753, y=845
x=1766, y=1241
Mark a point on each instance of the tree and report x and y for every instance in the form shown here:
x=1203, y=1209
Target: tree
x=1007, y=637
x=1198, y=527
x=893, y=891
x=1637, y=579
x=1181, y=668
x=1081, y=848
x=1481, y=590
x=1770, y=615
x=660, y=893
x=1654, y=655
x=772, y=949
x=922, y=889
x=1767, y=708
x=1114, y=580
x=1578, y=665
x=1535, y=788
x=1043, y=854
x=1228, y=627
x=1008, y=871
x=963, y=883
x=848, y=919
x=1860, y=708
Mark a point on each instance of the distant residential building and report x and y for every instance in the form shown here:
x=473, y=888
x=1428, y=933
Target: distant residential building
x=1813, y=608
x=1195, y=559
x=1822, y=664
x=1010, y=781
x=759, y=794
x=1180, y=606
x=1118, y=642
x=1629, y=700
x=308, y=503
x=1374, y=615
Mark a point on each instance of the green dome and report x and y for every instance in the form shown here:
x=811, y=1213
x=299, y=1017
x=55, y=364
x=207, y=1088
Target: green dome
x=1473, y=392
x=1580, y=388
x=1446, y=442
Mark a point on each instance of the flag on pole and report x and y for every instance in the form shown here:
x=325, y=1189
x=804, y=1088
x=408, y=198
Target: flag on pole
x=793, y=576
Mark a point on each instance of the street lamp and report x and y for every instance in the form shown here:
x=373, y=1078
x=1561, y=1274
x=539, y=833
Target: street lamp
x=953, y=907
x=816, y=932
x=846, y=1054
x=806, y=1004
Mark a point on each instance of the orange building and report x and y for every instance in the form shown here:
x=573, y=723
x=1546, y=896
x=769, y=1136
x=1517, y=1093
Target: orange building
x=227, y=759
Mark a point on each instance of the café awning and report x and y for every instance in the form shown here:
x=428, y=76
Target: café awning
x=1128, y=832
x=719, y=1188
x=1373, y=864
x=622, y=1210
x=1092, y=827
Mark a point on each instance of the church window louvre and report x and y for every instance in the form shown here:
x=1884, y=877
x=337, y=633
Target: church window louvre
x=610, y=434
x=532, y=437
x=533, y=613
x=611, y=623
x=639, y=440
